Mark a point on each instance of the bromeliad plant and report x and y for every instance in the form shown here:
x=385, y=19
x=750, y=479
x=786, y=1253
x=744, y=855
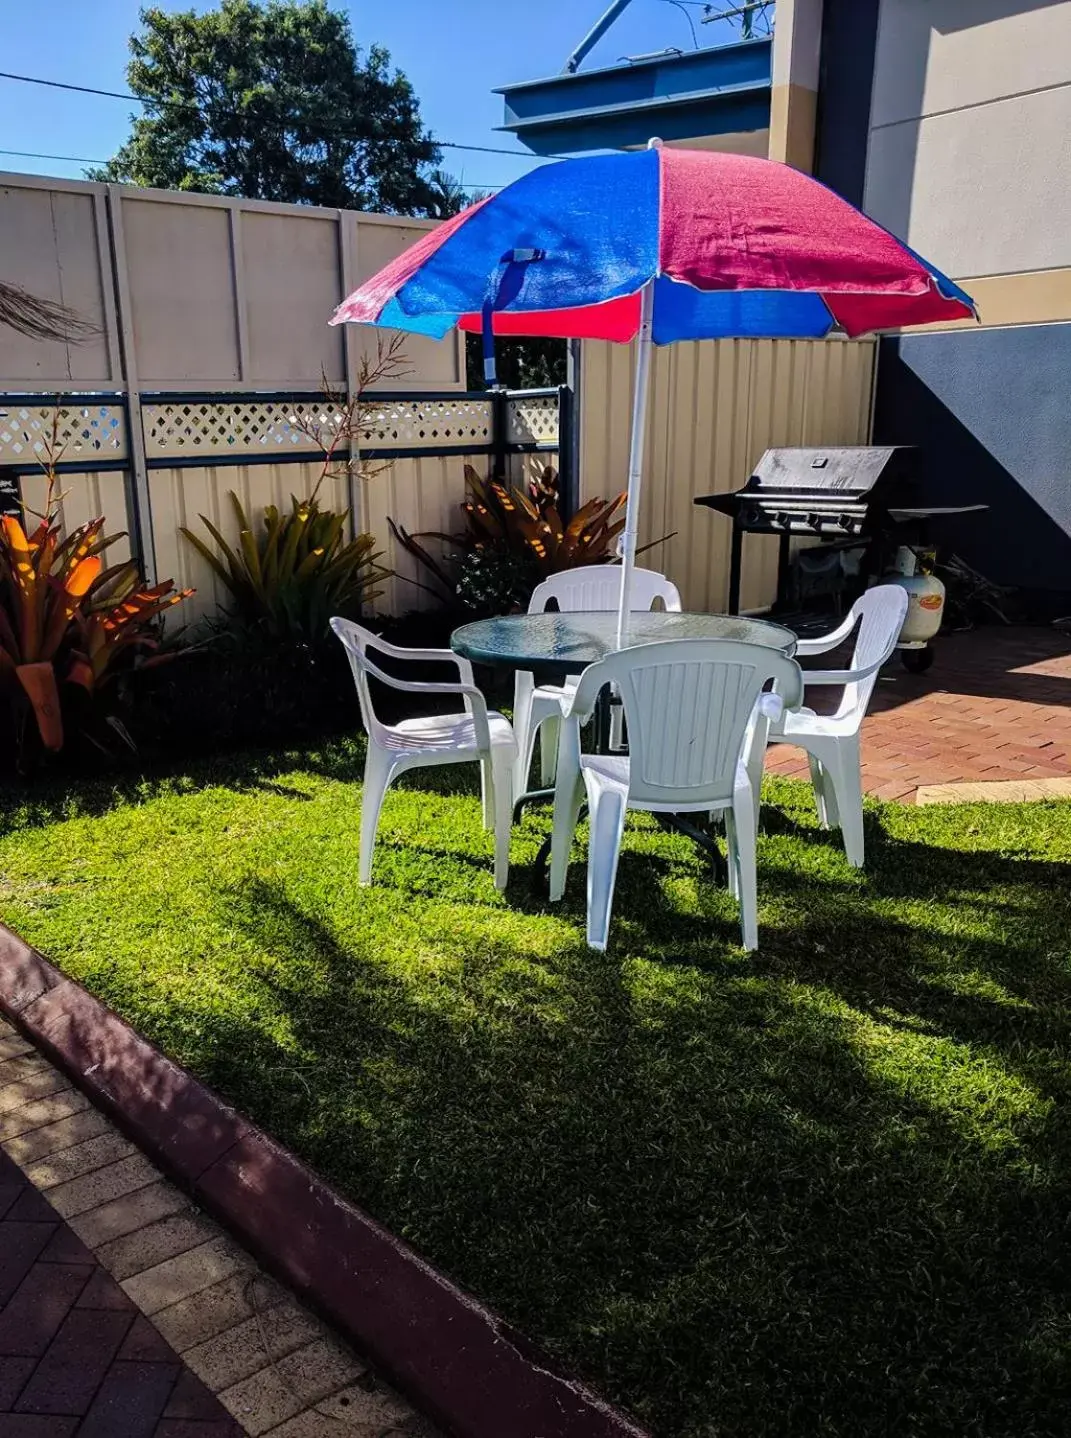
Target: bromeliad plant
x=288, y=579
x=512, y=540
x=67, y=620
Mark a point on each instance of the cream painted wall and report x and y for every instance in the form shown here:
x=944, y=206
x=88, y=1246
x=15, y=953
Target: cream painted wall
x=970, y=144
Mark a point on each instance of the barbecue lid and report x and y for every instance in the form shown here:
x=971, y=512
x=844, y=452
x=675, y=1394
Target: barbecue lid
x=840, y=471
x=857, y=468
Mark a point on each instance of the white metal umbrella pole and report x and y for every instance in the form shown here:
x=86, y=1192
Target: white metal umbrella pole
x=635, y=459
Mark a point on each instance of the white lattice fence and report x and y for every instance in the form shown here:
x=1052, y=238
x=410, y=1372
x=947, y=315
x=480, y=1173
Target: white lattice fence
x=532, y=419
x=414, y=424
x=31, y=433
x=210, y=429
x=190, y=429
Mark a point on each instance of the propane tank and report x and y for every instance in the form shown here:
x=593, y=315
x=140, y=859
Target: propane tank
x=925, y=597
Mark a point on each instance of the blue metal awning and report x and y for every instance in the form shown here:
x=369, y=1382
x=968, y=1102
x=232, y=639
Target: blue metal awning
x=679, y=96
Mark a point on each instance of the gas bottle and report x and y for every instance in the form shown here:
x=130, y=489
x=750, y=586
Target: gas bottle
x=925, y=597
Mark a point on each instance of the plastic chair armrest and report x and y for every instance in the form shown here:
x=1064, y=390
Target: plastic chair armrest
x=426, y=686
x=427, y=656
x=807, y=647
x=841, y=676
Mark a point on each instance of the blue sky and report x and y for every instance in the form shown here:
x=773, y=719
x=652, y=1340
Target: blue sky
x=454, y=51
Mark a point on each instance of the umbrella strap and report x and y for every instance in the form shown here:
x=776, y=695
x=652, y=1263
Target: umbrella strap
x=502, y=287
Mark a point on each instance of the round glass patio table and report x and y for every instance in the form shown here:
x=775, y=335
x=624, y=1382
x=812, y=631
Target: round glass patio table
x=553, y=643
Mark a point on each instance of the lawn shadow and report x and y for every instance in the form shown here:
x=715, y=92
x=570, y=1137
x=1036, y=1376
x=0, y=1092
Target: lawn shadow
x=54, y=798
x=698, y=1182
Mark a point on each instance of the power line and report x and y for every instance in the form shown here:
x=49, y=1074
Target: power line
x=691, y=24
x=34, y=155
x=190, y=105
x=85, y=160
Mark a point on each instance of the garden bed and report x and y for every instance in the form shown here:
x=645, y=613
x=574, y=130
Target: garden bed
x=816, y=1189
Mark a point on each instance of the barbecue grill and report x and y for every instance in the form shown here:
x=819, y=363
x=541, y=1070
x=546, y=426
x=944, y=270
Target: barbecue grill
x=853, y=498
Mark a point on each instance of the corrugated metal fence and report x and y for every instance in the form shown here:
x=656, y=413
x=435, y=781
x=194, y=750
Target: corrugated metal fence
x=715, y=407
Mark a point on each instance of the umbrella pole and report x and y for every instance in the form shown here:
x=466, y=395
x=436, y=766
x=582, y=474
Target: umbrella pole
x=640, y=394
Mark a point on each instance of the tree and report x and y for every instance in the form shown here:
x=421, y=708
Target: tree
x=521, y=363
x=449, y=196
x=273, y=101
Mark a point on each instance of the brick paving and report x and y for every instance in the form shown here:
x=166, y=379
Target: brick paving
x=995, y=706
x=126, y=1313
x=75, y=1355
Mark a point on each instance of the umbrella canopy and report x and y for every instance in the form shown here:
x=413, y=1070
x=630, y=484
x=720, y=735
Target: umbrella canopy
x=666, y=244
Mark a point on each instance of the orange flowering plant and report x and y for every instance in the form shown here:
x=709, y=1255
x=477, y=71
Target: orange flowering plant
x=67, y=619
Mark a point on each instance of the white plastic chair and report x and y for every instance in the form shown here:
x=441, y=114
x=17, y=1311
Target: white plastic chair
x=832, y=742
x=689, y=704
x=537, y=708
x=475, y=736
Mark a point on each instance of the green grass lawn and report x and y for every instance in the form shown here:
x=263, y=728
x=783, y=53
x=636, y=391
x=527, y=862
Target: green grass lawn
x=821, y=1189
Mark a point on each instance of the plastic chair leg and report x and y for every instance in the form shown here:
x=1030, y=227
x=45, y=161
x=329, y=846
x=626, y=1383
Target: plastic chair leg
x=568, y=801
x=822, y=791
x=607, y=824
x=755, y=755
x=378, y=773
x=845, y=780
x=733, y=862
x=525, y=732
x=502, y=783
x=743, y=824
x=548, y=750
x=487, y=793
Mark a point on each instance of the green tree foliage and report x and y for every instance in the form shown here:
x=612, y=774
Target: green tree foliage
x=274, y=101
x=449, y=196
x=521, y=363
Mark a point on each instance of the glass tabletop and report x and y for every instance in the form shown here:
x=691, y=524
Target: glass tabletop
x=570, y=642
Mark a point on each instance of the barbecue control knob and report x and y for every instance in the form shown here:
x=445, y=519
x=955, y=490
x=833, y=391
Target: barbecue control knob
x=751, y=514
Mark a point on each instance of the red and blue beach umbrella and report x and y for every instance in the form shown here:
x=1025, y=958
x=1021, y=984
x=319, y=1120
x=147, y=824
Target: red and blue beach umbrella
x=666, y=244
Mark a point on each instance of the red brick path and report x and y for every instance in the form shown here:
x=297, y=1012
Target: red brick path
x=995, y=705
x=77, y=1360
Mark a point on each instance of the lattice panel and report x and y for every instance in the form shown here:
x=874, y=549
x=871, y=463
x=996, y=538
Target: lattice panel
x=194, y=427
x=66, y=433
x=427, y=423
x=180, y=429
x=533, y=419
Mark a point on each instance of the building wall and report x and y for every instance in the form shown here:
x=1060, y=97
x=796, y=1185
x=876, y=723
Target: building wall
x=970, y=133
x=968, y=159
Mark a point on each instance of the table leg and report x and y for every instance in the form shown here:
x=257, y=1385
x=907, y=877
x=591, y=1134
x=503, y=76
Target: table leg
x=533, y=796
x=703, y=837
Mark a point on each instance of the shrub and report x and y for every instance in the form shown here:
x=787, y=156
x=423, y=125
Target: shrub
x=289, y=579
x=69, y=627
x=512, y=540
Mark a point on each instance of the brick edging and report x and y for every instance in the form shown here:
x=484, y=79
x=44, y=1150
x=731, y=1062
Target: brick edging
x=457, y=1360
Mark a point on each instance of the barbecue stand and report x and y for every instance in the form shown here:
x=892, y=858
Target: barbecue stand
x=854, y=497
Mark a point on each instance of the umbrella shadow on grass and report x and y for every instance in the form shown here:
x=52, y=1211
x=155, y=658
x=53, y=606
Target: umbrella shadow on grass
x=728, y=1190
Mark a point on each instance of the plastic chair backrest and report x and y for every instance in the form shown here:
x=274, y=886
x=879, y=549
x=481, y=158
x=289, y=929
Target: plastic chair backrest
x=880, y=614
x=688, y=703
x=356, y=640
x=598, y=587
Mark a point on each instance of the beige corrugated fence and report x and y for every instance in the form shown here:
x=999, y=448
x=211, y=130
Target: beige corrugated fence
x=715, y=407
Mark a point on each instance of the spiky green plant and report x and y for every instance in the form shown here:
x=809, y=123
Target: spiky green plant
x=289, y=577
